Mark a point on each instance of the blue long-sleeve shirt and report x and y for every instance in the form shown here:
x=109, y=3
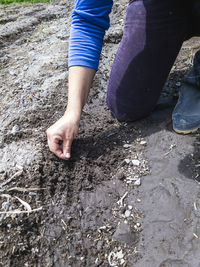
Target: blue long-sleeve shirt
x=90, y=20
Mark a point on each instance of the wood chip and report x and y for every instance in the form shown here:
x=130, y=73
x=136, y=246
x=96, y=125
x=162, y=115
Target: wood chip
x=195, y=235
x=25, y=204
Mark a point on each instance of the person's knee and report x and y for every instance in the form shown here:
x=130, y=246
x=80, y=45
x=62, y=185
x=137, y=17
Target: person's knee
x=128, y=112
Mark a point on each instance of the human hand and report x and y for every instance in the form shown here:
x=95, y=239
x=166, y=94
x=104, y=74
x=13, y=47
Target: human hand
x=61, y=134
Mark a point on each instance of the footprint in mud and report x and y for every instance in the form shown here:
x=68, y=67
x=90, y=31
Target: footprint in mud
x=174, y=263
x=164, y=204
x=197, y=206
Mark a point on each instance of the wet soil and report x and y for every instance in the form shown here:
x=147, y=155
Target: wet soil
x=130, y=194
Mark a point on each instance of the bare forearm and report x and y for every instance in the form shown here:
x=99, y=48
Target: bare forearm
x=66, y=128
x=80, y=81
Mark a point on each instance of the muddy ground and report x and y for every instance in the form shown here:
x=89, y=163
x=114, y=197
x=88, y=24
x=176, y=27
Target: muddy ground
x=129, y=196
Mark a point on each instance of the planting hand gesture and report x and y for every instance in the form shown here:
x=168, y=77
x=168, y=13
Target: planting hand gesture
x=61, y=134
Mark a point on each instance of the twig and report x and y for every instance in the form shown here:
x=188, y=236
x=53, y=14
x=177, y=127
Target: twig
x=20, y=211
x=10, y=179
x=25, y=204
x=63, y=222
x=21, y=189
x=170, y=149
x=120, y=202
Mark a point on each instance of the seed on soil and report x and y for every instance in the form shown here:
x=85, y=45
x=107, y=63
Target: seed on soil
x=127, y=213
x=195, y=235
x=137, y=226
x=143, y=143
x=136, y=162
x=137, y=182
x=32, y=193
x=122, y=261
x=102, y=228
x=15, y=129
x=131, y=178
x=126, y=146
x=12, y=72
x=119, y=254
x=19, y=167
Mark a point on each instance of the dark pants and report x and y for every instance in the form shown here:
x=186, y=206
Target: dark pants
x=153, y=35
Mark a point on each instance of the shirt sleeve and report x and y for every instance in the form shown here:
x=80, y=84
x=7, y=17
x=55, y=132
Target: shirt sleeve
x=90, y=19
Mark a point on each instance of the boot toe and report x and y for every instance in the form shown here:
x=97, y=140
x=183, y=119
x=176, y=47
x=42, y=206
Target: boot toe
x=185, y=124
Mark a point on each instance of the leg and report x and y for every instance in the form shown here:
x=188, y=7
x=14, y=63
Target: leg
x=186, y=115
x=153, y=34
x=194, y=19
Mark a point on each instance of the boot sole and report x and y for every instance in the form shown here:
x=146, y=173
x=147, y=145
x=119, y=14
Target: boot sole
x=186, y=131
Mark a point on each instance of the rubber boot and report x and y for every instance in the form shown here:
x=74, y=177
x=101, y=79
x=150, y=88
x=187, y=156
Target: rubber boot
x=186, y=114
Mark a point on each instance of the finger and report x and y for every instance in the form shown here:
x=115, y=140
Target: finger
x=59, y=154
x=67, y=148
x=56, y=149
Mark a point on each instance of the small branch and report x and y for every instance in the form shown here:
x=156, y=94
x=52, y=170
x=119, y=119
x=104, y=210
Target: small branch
x=120, y=202
x=19, y=211
x=21, y=189
x=10, y=179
